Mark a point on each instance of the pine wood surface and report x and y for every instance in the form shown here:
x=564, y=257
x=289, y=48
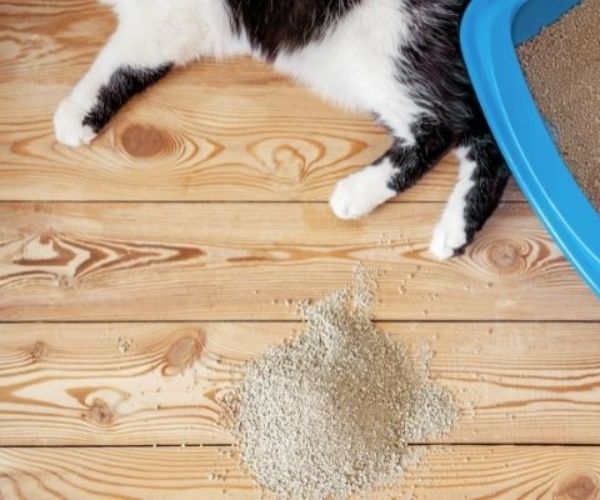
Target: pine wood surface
x=452, y=472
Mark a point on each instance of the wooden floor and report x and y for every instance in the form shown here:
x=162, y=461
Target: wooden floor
x=137, y=275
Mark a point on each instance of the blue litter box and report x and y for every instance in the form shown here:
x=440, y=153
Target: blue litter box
x=490, y=32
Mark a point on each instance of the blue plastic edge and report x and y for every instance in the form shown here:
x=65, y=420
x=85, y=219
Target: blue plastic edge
x=488, y=38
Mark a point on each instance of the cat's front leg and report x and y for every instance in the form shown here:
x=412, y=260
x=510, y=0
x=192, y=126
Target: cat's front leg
x=98, y=96
x=149, y=40
x=398, y=169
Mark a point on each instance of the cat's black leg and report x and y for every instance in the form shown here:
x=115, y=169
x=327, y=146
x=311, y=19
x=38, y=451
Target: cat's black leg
x=481, y=181
x=123, y=84
x=397, y=170
x=411, y=162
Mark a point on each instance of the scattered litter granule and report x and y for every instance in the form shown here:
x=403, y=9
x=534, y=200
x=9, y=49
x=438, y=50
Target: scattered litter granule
x=562, y=65
x=330, y=413
x=124, y=344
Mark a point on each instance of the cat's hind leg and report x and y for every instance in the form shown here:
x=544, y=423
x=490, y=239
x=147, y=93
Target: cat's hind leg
x=144, y=47
x=481, y=181
x=397, y=170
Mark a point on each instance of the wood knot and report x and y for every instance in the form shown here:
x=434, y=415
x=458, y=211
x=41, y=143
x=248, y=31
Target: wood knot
x=506, y=257
x=64, y=281
x=184, y=351
x=289, y=159
x=580, y=486
x=46, y=238
x=38, y=351
x=143, y=140
x=289, y=163
x=99, y=413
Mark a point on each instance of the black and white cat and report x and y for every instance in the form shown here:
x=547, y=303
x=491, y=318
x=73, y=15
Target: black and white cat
x=398, y=59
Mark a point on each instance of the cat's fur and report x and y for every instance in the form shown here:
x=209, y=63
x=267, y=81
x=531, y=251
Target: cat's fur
x=398, y=59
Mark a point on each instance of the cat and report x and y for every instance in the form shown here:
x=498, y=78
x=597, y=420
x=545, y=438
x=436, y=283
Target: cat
x=397, y=59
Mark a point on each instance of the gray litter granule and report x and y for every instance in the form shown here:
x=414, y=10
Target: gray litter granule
x=562, y=65
x=330, y=413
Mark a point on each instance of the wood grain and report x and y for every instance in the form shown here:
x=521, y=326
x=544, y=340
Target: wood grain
x=457, y=472
x=243, y=261
x=229, y=131
x=99, y=384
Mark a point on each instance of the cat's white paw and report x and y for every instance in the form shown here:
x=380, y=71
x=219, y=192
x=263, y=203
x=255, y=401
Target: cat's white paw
x=360, y=193
x=68, y=124
x=349, y=202
x=447, y=239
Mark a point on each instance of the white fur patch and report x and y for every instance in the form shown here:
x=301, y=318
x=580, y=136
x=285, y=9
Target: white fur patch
x=360, y=193
x=150, y=33
x=355, y=64
x=450, y=233
x=153, y=32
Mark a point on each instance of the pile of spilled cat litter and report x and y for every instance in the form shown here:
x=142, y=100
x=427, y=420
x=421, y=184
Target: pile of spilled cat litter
x=331, y=412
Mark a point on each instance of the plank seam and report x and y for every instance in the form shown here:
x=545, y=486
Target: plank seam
x=294, y=321
x=230, y=202
x=231, y=445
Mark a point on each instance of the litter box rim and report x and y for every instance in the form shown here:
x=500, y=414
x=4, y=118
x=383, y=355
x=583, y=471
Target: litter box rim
x=490, y=31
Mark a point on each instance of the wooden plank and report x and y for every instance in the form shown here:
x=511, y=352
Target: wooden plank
x=213, y=131
x=92, y=384
x=456, y=472
x=243, y=261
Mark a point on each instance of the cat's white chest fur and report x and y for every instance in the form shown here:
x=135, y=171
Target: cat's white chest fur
x=354, y=65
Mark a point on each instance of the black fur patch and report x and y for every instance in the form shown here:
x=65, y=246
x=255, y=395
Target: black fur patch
x=412, y=162
x=123, y=84
x=274, y=25
x=431, y=65
x=490, y=178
